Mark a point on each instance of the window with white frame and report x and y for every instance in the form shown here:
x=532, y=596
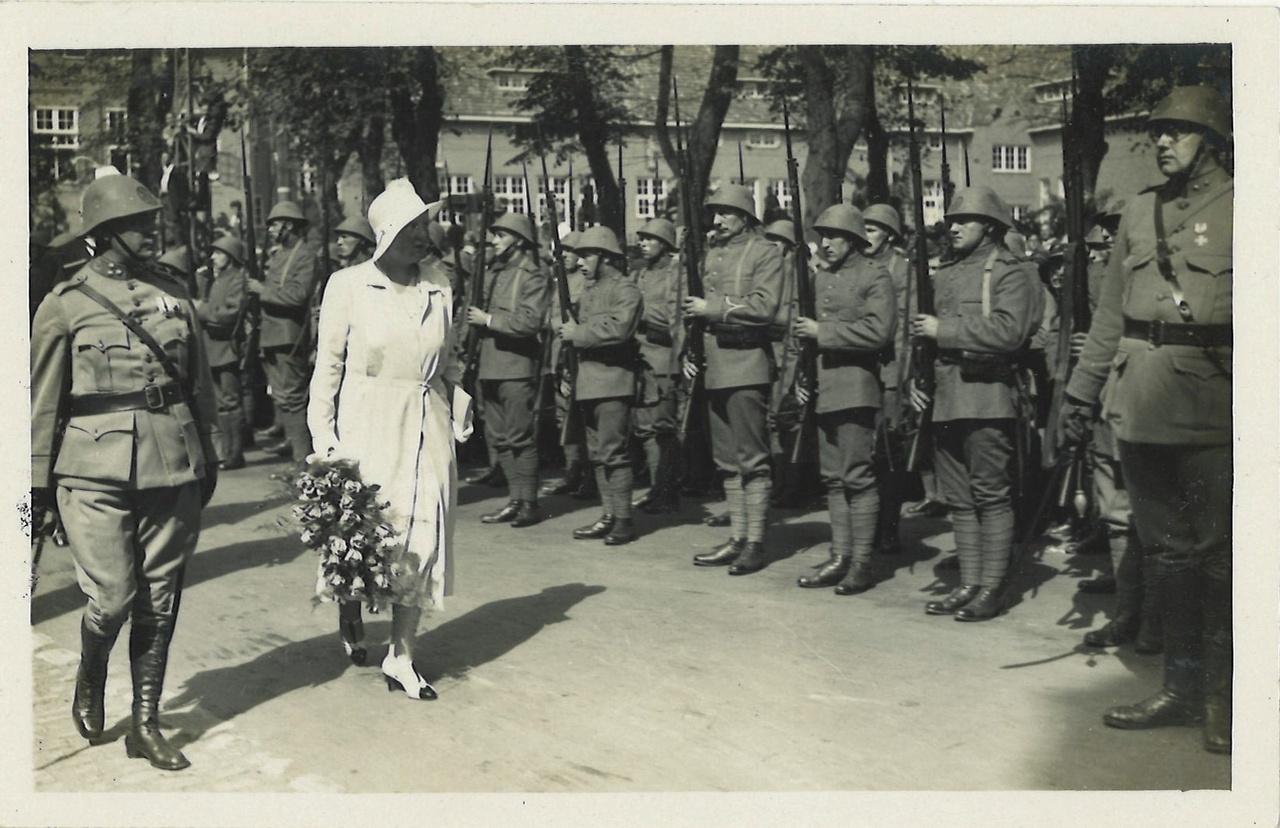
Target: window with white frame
x=1011, y=158
x=763, y=140
x=508, y=191
x=456, y=185
x=560, y=187
x=1052, y=92
x=118, y=154
x=934, y=139
x=651, y=194
x=934, y=199
x=512, y=81
x=1021, y=212
x=921, y=96
x=753, y=89
x=782, y=189
x=56, y=127
x=308, y=180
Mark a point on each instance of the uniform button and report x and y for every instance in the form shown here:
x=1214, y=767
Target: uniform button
x=147, y=358
x=132, y=286
x=137, y=302
x=1183, y=204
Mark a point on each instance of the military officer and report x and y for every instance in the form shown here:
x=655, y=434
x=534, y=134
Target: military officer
x=1159, y=356
x=515, y=305
x=857, y=316
x=124, y=427
x=354, y=241
x=222, y=316
x=661, y=335
x=884, y=233
x=286, y=296
x=608, y=361
x=988, y=303
x=742, y=279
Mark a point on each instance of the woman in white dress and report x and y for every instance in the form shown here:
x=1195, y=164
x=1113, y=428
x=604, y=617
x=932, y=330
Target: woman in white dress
x=384, y=394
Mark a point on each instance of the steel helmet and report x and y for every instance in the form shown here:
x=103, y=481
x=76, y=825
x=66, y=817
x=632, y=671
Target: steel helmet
x=357, y=226
x=599, y=238
x=980, y=201
x=571, y=241
x=177, y=259
x=287, y=210
x=114, y=197
x=517, y=223
x=230, y=245
x=844, y=218
x=885, y=216
x=735, y=196
x=659, y=228
x=782, y=229
x=1199, y=105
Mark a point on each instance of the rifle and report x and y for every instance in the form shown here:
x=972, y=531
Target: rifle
x=806, y=303
x=948, y=188
x=455, y=242
x=694, y=350
x=965, y=147
x=742, y=170
x=475, y=296
x=573, y=208
x=922, y=349
x=571, y=428
x=250, y=319
x=622, y=213
x=544, y=359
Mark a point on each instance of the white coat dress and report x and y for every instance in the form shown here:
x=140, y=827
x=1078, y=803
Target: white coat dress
x=378, y=397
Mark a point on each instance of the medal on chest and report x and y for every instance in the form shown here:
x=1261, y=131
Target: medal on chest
x=1201, y=229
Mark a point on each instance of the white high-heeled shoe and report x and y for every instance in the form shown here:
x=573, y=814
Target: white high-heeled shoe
x=402, y=675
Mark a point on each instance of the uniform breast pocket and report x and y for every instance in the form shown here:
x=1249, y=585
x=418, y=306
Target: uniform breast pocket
x=98, y=446
x=104, y=354
x=1214, y=264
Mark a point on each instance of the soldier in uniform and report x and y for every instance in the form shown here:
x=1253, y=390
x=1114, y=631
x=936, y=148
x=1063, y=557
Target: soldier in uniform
x=285, y=295
x=516, y=300
x=578, y=478
x=1161, y=345
x=660, y=334
x=884, y=231
x=222, y=315
x=857, y=316
x=784, y=412
x=117, y=355
x=605, y=387
x=742, y=278
x=354, y=241
x=988, y=303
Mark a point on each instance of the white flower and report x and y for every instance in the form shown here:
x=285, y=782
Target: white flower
x=357, y=583
x=337, y=545
x=306, y=535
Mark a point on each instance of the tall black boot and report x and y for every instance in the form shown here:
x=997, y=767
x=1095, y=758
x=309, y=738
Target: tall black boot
x=1180, y=701
x=149, y=656
x=232, y=425
x=91, y=681
x=1217, y=661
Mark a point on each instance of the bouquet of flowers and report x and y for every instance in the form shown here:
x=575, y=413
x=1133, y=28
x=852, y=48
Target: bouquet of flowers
x=342, y=519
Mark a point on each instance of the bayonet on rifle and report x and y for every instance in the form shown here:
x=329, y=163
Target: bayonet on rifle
x=807, y=361
x=922, y=348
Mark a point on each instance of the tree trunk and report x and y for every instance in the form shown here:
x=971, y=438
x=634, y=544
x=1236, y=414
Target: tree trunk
x=663, y=133
x=369, y=151
x=1094, y=65
x=415, y=127
x=840, y=94
x=705, y=131
x=593, y=134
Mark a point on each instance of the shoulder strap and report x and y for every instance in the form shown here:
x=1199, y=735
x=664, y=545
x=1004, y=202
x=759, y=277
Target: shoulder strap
x=288, y=263
x=986, y=282
x=166, y=361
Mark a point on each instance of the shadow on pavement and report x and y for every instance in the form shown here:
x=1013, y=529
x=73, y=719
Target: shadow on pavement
x=203, y=566
x=236, y=512
x=490, y=631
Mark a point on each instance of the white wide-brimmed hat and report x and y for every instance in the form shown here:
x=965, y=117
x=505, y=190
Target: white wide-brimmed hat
x=393, y=210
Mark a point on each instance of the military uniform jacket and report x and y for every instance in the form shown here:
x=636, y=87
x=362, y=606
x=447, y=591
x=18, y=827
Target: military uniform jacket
x=1171, y=394
x=219, y=313
x=576, y=280
x=857, y=316
x=993, y=319
x=608, y=315
x=516, y=292
x=742, y=282
x=899, y=269
x=287, y=293
x=79, y=349
x=661, y=331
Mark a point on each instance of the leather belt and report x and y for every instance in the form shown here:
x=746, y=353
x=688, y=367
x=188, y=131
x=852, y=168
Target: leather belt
x=151, y=398
x=1158, y=332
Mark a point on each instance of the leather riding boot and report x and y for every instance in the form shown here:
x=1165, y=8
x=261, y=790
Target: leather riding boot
x=1150, y=639
x=623, y=531
x=596, y=530
x=987, y=604
x=959, y=596
x=829, y=574
x=1119, y=630
x=91, y=681
x=888, y=519
x=232, y=425
x=489, y=476
x=1166, y=708
x=723, y=555
x=527, y=514
x=859, y=578
x=1217, y=660
x=149, y=656
x=752, y=559
x=504, y=515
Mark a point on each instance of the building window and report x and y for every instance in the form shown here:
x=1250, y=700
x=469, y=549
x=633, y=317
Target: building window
x=1052, y=92
x=934, y=199
x=457, y=188
x=1021, y=212
x=922, y=96
x=512, y=81
x=753, y=89
x=118, y=154
x=307, y=178
x=763, y=140
x=508, y=191
x=559, y=186
x=935, y=140
x=651, y=194
x=55, y=132
x=1011, y=158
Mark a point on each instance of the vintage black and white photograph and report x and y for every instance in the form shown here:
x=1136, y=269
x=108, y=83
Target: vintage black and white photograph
x=606, y=413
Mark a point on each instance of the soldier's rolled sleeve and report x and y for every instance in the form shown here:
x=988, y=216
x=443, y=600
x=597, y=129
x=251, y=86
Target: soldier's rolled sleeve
x=531, y=307
x=1014, y=298
x=1094, y=364
x=50, y=384
x=294, y=291
x=873, y=327
x=616, y=326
